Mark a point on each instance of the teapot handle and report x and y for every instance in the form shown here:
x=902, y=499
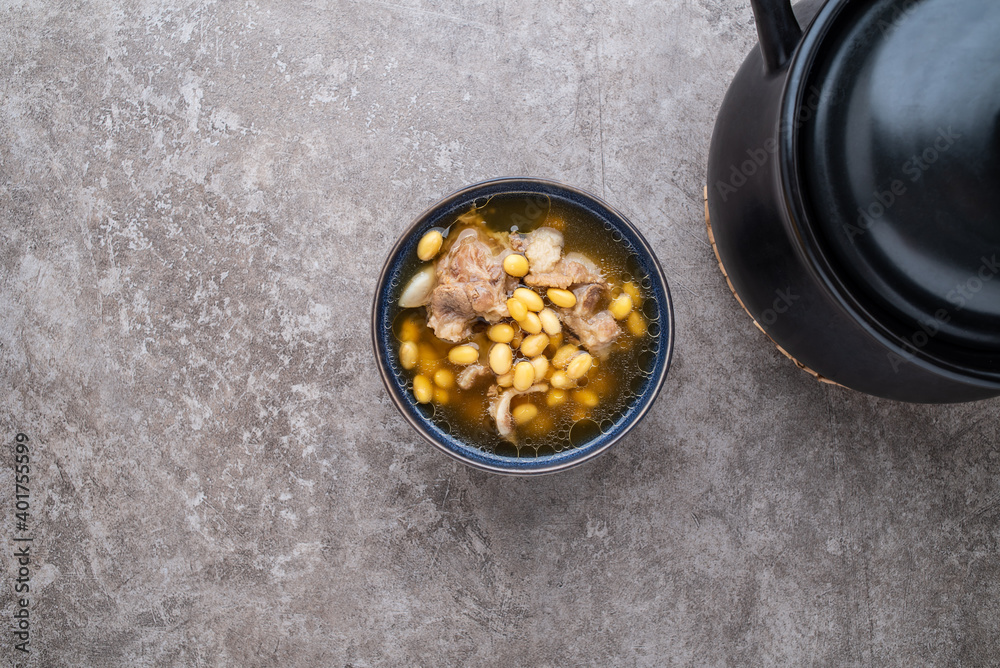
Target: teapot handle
x=778, y=31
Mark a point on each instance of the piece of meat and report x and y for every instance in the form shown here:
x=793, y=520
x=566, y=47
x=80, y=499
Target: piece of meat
x=500, y=407
x=469, y=259
x=471, y=284
x=543, y=248
x=564, y=274
x=596, y=333
x=450, y=313
x=596, y=329
x=470, y=375
x=588, y=299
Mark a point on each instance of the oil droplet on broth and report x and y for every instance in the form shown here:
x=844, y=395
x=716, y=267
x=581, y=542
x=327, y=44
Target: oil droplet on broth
x=583, y=432
x=546, y=451
x=650, y=310
x=505, y=449
x=647, y=361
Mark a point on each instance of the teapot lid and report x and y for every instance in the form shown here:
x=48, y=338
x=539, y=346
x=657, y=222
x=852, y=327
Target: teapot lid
x=897, y=146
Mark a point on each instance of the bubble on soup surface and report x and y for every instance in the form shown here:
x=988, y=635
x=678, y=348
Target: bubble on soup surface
x=654, y=329
x=584, y=431
x=650, y=310
x=427, y=410
x=505, y=450
x=647, y=361
x=616, y=236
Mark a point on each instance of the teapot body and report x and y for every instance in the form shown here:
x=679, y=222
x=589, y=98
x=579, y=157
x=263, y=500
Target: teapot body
x=763, y=232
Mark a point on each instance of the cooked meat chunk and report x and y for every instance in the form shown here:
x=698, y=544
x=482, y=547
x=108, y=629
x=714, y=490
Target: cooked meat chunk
x=500, y=407
x=471, y=284
x=564, y=274
x=597, y=330
x=543, y=247
x=471, y=374
x=451, y=312
x=588, y=299
x=469, y=259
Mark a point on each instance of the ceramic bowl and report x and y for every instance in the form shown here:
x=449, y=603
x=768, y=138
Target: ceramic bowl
x=657, y=309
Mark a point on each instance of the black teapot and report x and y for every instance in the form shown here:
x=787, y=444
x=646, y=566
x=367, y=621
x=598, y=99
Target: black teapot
x=854, y=192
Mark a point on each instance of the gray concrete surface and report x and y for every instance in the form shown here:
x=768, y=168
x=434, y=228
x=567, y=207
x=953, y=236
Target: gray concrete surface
x=196, y=198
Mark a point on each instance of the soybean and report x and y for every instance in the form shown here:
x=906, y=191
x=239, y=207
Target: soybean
x=561, y=381
x=579, y=365
x=533, y=345
x=524, y=413
x=555, y=397
x=550, y=321
x=428, y=361
x=500, y=333
x=524, y=376
x=429, y=245
x=541, y=366
x=409, y=331
x=529, y=298
x=586, y=398
x=444, y=379
x=621, y=306
x=506, y=380
x=408, y=353
x=501, y=358
x=632, y=290
x=423, y=389
x=636, y=324
x=563, y=355
x=531, y=323
x=554, y=343
x=517, y=309
x=516, y=265
x=561, y=298
x=463, y=355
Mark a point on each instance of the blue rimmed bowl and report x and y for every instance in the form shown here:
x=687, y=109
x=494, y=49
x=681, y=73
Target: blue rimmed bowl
x=658, y=308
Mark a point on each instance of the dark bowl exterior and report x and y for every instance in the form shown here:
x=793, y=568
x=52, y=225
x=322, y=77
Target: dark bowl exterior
x=395, y=381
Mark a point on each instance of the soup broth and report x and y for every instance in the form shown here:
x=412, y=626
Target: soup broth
x=553, y=415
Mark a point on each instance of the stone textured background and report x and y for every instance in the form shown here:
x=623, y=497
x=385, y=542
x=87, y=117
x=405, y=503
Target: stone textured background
x=196, y=198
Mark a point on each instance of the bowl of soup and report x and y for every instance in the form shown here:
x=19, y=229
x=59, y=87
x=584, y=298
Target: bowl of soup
x=522, y=326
